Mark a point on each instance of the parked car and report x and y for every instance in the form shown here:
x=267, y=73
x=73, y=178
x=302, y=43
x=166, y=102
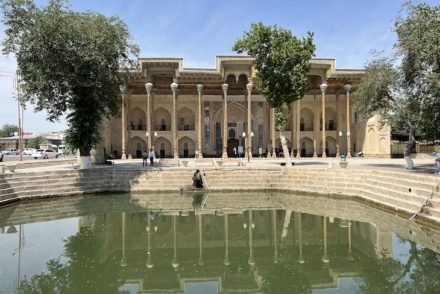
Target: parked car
x=10, y=151
x=28, y=151
x=62, y=150
x=44, y=154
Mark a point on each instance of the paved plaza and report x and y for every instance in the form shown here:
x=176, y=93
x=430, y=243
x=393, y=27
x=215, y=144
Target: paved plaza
x=422, y=165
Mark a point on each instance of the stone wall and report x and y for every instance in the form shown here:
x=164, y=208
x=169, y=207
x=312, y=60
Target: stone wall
x=402, y=193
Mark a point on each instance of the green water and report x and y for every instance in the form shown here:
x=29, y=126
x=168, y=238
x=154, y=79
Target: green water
x=224, y=243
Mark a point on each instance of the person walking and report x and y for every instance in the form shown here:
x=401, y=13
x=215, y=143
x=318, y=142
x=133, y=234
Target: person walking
x=152, y=156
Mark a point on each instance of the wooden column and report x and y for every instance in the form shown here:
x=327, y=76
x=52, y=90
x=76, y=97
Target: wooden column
x=272, y=131
x=199, y=121
x=323, y=88
x=174, y=142
x=123, y=89
x=249, y=121
x=225, y=120
x=347, y=89
x=298, y=129
x=148, y=87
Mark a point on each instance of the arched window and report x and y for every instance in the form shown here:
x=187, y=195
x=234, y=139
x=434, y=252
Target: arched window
x=231, y=134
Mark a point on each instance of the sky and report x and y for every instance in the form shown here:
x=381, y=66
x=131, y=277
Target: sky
x=198, y=30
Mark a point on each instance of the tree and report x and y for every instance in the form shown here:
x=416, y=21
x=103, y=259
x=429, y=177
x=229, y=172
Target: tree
x=407, y=94
x=70, y=63
x=282, y=64
x=8, y=130
x=37, y=141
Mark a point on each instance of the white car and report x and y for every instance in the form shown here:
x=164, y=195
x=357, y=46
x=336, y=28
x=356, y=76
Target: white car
x=44, y=154
x=28, y=151
x=10, y=151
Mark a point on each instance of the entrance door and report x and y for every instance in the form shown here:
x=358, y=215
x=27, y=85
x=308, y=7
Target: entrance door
x=232, y=143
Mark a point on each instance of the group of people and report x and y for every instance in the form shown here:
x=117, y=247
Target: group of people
x=145, y=157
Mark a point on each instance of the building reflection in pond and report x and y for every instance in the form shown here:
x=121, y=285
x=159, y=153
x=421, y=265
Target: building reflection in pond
x=234, y=250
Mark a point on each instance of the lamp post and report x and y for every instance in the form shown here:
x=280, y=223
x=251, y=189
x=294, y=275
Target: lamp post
x=16, y=91
x=341, y=134
x=248, y=151
x=243, y=135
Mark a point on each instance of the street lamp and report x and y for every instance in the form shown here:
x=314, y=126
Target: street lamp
x=243, y=135
x=348, y=140
x=248, y=151
x=20, y=106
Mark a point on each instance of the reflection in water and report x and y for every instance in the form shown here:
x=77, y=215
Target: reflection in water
x=145, y=244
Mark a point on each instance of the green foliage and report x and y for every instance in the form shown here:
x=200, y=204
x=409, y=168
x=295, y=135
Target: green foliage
x=407, y=94
x=70, y=63
x=7, y=130
x=37, y=141
x=285, y=277
x=76, y=275
x=280, y=119
x=281, y=61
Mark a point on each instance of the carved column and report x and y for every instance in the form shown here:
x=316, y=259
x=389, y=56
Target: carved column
x=199, y=121
x=148, y=87
x=249, y=121
x=338, y=127
x=323, y=88
x=298, y=129
x=225, y=121
x=347, y=89
x=174, y=142
x=315, y=127
x=129, y=157
x=272, y=131
x=123, y=89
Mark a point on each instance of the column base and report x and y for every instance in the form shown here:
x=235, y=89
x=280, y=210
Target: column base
x=315, y=155
x=225, y=155
x=130, y=157
x=274, y=154
x=123, y=157
x=176, y=156
x=200, y=155
x=349, y=154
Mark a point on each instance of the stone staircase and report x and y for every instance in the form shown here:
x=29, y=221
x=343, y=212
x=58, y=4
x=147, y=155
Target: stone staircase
x=402, y=192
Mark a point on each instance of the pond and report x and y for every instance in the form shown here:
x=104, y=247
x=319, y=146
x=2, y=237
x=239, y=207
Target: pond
x=217, y=243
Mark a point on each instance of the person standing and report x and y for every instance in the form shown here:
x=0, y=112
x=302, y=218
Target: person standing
x=437, y=163
x=145, y=158
x=152, y=156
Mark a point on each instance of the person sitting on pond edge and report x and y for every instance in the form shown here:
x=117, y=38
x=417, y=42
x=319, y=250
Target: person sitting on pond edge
x=197, y=179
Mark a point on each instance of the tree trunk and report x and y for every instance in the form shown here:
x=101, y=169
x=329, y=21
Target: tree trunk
x=85, y=160
x=408, y=148
x=285, y=149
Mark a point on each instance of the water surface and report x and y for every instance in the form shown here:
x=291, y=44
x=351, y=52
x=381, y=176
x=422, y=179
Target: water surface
x=223, y=243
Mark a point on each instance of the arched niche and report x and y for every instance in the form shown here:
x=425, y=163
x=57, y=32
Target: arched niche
x=330, y=119
x=137, y=119
x=231, y=80
x=162, y=119
x=186, y=119
x=306, y=147
x=162, y=148
x=186, y=147
x=306, y=120
x=137, y=146
x=242, y=81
